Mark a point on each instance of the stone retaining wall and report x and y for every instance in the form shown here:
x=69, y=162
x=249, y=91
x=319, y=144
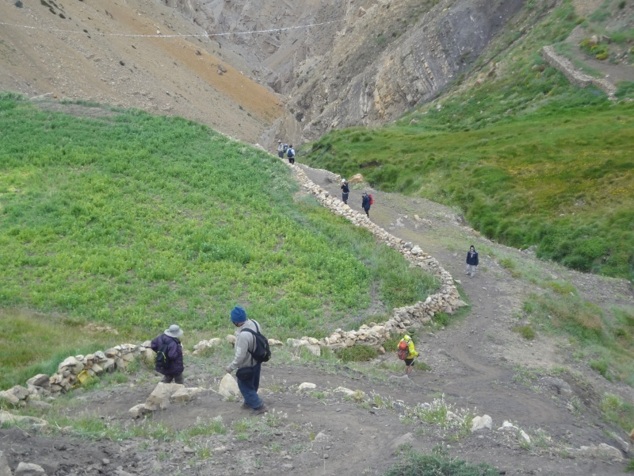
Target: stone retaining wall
x=575, y=76
x=447, y=299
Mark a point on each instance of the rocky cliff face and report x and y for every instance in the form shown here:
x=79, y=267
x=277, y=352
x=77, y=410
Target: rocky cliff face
x=253, y=69
x=360, y=62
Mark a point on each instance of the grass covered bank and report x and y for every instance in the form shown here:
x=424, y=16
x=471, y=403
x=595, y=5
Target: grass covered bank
x=530, y=159
x=138, y=221
x=563, y=182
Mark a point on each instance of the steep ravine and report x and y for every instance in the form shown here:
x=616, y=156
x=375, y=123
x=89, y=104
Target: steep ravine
x=351, y=63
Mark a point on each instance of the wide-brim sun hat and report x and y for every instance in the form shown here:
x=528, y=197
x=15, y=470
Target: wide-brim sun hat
x=174, y=331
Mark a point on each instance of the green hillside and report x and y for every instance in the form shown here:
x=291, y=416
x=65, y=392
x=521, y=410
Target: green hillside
x=531, y=160
x=135, y=222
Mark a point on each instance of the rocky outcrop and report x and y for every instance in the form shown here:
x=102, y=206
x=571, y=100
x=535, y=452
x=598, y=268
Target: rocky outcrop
x=415, y=67
x=350, y=63
x=163, y=395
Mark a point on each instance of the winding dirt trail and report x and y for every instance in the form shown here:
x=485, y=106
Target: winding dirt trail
x=480, y=361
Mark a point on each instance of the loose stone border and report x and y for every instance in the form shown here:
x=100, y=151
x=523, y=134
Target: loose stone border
x=576, y=77
x=447, y=299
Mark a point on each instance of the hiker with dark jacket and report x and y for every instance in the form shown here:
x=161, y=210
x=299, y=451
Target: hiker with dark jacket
x=365, y=203
x=248, y=370
x=169, y=343
x=472, y=261
x=345, y=191
x=290, y=153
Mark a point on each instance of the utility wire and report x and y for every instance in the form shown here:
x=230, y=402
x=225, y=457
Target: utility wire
x=161, y=35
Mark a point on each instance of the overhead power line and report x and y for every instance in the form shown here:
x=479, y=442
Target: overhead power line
x=174, y=35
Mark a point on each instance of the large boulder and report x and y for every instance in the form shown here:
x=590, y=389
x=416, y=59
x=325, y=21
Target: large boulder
x=228, y=386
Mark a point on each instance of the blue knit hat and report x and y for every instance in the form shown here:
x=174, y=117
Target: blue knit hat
x=238, y=315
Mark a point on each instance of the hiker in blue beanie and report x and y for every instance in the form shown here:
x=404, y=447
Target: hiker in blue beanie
x=248, y=370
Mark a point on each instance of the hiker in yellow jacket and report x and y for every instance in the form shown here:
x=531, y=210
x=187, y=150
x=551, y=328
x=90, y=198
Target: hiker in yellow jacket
x=407, y=352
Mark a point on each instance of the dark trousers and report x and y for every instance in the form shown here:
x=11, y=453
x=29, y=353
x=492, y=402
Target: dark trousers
x=173, y=378
x=249, y=388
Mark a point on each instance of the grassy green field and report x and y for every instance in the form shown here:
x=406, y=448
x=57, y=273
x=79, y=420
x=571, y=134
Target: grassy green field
x=137, y=222
x=530, y=159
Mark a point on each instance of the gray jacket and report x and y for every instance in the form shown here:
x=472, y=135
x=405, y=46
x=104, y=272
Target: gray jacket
x=244, y=342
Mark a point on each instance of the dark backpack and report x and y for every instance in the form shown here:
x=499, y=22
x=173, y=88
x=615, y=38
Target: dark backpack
x=262, y=351
x=290, y=152
x=161, y=363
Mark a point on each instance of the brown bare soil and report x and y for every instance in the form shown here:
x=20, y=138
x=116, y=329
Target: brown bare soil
x=130, y=53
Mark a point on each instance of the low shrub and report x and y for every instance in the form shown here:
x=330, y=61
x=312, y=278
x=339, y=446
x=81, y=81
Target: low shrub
x=618, y=411
x=526, y=331
x=602, y=367
x=441, y=319
x=357, y=353
x=437, y=464
x=507, y=263
x=561, y=288
x=391, y=344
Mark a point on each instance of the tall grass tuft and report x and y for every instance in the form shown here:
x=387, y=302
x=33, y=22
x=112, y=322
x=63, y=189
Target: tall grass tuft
x=439, y=462
x=34, y=343
x=604, y=338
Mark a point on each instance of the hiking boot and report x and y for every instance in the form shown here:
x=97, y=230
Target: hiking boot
x=260, y=411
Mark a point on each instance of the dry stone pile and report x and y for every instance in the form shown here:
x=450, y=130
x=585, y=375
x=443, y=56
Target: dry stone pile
x=73, y=371
x=163, y=395
x=576, y=77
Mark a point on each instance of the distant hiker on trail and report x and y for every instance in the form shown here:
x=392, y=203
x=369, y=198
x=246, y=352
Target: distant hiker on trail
x=366, y=203
x=169, y=354
x=248, y=374
x=345, y=191
x=290, y=153
x=281, y=148
x=407, y=352
x=472, y=261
